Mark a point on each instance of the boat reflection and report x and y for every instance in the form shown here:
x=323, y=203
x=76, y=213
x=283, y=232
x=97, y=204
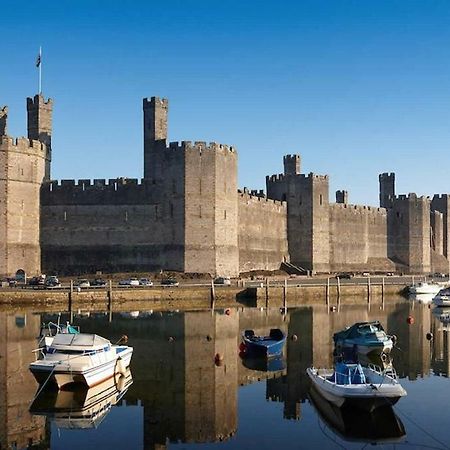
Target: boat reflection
x=263, y=364
x=421, y=298
x=379, y=426
x=81, y=408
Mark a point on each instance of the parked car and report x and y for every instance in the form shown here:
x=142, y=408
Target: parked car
x=82, y=283
x=129, y=282
x=390, y=274
x=145, y=282
x=366, y=274
x=37, y=281
x=98, y=282
x=224, y=281
x=52, y=282
x=344, y=275
x=169, y=282
x=439, y=275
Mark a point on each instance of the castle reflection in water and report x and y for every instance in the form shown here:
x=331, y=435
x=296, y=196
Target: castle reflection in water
x=183, y=393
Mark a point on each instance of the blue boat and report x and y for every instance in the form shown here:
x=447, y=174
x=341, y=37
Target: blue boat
x=363, y=338
x=263, y=346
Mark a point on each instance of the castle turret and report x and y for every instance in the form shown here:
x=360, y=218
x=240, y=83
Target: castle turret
x=387, y=189
x=342, y=197
x=291, y=164
x=40, y=125
x=3, y=121
x=155, y=131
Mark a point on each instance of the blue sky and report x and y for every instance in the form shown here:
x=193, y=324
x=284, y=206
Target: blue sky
x=356, y=87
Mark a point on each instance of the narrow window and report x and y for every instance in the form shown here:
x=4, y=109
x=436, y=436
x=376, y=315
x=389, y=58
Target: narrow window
x=171, y=210
x=320, y=199
x=200, y=211
x=225, y=214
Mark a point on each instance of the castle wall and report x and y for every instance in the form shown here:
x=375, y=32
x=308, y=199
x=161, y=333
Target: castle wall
x=119, y=225
x=358, y=237
x=441, y=203
x=262, y=239
x=22, y=169
x=437, y=229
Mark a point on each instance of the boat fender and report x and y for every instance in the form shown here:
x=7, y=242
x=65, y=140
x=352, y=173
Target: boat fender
x=410, y=320
x=242, y=347
x=120, y=366
x=429, y=336
x=384, y=357
x=294, y=337
x=394, y=339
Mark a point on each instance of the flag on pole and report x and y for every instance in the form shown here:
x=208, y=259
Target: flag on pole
x=39, y=57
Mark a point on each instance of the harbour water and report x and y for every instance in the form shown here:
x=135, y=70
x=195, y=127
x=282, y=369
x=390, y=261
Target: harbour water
x=189, y=388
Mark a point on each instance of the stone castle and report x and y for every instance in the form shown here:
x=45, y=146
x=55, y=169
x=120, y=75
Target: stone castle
x=186, y=214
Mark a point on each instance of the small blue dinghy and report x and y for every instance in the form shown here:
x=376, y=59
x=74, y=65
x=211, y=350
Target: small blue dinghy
x=263, y=346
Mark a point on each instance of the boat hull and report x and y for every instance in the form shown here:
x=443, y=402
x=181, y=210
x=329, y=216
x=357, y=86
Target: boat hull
x=62, y=374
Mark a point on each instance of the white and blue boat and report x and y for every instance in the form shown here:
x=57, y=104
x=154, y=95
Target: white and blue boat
x=353, y=385
x=363, y=338
x=263, y=346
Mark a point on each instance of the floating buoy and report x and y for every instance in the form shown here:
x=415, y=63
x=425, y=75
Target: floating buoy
x=333, y=308
x=429, y=336
x=228, y=311
x=410, y=320
x=208, y=337
x=294, y=337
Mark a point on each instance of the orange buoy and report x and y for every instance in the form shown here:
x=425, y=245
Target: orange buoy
x=228, y=311
x=242, y=347
x=410, y=320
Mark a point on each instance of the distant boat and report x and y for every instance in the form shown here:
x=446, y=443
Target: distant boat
x=82, y=358
x=364, y=338
x=263, y=346
x=82, y=408
x=442, y=298
x=379, y=426
x=424, y=288
x=352, y=385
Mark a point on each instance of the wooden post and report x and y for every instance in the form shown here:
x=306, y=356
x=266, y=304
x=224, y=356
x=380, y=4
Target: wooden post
x=382, y=292
x=213, y=296
x=338, y=291
x=327, y=293
x=110, y=300
x=267, y=292
x=70, y=296
x=285, y=296
x=412, y=279
x=368, y=290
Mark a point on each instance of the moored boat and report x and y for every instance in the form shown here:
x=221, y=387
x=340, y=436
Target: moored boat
x=82, y=358
x=364, y=338
x=263, y=346
x=367, y=388
x=442, y=298
x=424, y=288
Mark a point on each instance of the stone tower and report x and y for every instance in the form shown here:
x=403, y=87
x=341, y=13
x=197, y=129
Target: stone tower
x=3, y=120
x=155, y=134
x=40, y=125
x=342, y=197
x=23, y=164
x=387, y=189
x=291, y=164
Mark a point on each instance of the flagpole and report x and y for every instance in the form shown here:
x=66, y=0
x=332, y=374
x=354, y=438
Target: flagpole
x=40, y=70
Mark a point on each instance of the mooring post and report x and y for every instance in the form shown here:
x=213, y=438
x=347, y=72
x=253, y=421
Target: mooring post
x=368, y=290
x=338, y=291
x=267, y=292
x=382, y=292
x=285, y=296
x=327, y=293
x=70, y=296
x=412, y=280
x=110, y=300
x=213, y=296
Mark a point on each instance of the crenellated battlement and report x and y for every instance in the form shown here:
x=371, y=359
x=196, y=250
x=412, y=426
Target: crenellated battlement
x=3, y=120
x=152, y=101
x=258, y=197
x=386, y=175
x=199, y=146
x=411, y=197
x=441, y=196
x=22, y=144
x=282, y=177
x=359, y=209
x=39, y=100
x=97, y=191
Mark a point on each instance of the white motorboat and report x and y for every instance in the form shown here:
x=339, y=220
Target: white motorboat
x=81, y=358
x=421, y=298
x=353, y=385
x=50, y=330
x=425, y=288
x=442, y=298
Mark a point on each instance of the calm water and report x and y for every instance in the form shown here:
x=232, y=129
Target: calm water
x=180, y=398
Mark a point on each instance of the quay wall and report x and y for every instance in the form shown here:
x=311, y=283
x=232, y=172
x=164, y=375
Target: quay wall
x=262, y=238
